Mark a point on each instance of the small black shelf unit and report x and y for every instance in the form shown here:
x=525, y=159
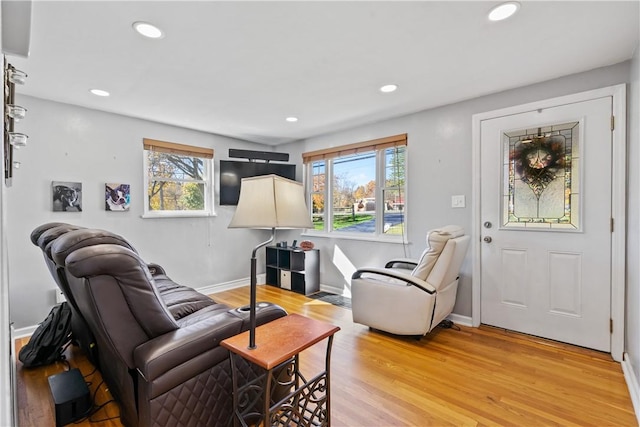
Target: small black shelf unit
x=293, y=269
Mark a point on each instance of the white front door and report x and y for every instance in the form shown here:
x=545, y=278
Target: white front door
x=545, y=211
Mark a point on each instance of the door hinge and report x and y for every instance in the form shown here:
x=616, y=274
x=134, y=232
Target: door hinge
x=612, y=225
x=611, y=326
x=613, y=122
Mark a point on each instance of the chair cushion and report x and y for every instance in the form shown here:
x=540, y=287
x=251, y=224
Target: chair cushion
x=436, y=239
x=180, y=300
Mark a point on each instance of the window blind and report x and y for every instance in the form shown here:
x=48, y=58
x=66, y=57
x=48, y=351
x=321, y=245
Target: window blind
x=358, y=147
x=173, y=148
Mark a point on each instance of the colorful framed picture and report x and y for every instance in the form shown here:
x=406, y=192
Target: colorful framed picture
x=117, y=197
x=66, y=196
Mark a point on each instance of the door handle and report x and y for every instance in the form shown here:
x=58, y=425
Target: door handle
x=487, y=239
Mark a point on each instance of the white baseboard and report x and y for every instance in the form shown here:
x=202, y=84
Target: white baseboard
x=460, y=320
x=632, y=384
x=24, y=332
x=225, y=286
x=331, y=289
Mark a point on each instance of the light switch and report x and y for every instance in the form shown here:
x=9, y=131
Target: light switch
x=458, y=201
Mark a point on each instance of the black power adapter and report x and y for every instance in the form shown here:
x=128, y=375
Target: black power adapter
x=70, y=395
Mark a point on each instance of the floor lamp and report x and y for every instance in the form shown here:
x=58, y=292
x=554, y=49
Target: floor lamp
x=268, y=202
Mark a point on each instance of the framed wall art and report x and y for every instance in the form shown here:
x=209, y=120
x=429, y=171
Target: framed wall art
x=117, y=197
x=66, y=196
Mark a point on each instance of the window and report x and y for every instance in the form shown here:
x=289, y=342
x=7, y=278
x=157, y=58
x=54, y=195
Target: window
x=178, y=179
x=359, y=189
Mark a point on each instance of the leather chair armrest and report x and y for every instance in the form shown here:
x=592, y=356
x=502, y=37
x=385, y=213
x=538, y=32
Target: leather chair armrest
x=265, y=312
x=157, y=356
x=409, y=261
x=394, y=274
x=155, y=269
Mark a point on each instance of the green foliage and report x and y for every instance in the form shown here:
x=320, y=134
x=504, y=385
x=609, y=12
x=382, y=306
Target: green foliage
x=167, y=187
x=192, y=196
x=396, y=162
x=341, y=221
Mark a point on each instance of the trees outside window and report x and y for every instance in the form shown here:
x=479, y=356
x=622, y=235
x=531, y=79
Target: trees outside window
x=178, y=182
x=365, y=188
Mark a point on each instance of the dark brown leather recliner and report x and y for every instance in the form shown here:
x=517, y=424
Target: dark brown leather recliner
x=162, y=370
x=181, y=300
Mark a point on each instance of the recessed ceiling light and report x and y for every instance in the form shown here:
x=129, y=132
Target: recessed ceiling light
x=503, y=11
x=148, y=30
x=388, y=88
x=291, y=119
x=99, y=92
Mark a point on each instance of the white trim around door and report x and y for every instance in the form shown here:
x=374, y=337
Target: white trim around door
x=618, y=236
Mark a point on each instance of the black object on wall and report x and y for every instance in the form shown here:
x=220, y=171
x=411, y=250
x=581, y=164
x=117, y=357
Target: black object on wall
x=232, y=172
x=258, y=155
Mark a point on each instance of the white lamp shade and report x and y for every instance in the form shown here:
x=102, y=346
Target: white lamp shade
x=271, y=201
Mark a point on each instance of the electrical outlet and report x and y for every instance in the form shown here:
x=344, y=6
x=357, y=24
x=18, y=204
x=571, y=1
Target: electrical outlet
x=458, y=201
x=59, y=296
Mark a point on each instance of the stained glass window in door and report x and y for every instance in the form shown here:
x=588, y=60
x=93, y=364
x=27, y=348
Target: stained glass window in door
x=541, y=178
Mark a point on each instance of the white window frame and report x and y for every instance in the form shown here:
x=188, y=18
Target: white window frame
x=379, y=234
x=209, y=191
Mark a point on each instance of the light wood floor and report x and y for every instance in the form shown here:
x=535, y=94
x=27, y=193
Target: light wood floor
x=469, y=377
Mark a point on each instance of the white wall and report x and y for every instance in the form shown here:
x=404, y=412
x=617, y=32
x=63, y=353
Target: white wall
x=77, y=144
x=632, y=346
x=439, y=166
x=69, y=143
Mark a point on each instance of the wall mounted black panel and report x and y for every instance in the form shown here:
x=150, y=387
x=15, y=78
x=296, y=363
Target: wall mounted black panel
x=258, y=155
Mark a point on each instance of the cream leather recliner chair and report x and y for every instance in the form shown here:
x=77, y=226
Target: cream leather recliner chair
x=411, y=297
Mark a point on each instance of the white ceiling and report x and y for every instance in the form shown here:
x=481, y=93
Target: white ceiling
x=239, y=68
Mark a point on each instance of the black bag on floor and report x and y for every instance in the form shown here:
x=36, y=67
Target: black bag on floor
x=50, y=338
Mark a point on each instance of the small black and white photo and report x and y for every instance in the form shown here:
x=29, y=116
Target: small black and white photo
x=66, y=196
x=117, y=197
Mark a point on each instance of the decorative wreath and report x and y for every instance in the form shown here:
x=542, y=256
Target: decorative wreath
x=538, y=161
